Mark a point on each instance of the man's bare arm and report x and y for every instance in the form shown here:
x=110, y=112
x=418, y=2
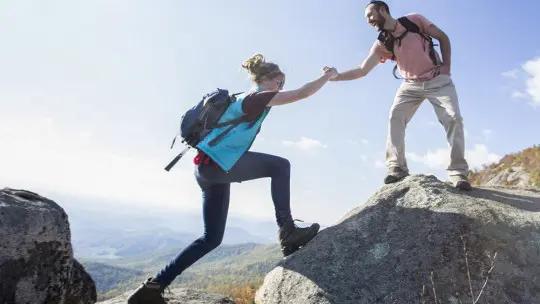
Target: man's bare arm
x=446, y=50
x=369, y=63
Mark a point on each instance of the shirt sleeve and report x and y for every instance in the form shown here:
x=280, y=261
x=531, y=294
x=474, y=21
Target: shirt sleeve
x=254, y=104
x=422, y=22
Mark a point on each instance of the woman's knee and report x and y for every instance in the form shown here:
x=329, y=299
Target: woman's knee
x=210, y=242
x=281, y=166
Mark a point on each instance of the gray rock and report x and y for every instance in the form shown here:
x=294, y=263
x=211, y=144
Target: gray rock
x=180, y=296
x=415, y=239
x=515, y=176
x=36, y=257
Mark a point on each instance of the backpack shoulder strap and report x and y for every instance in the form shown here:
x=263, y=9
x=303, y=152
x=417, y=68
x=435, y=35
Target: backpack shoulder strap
x=387, y=40
x=409, y=25
x=381, y=37
x=413, y=28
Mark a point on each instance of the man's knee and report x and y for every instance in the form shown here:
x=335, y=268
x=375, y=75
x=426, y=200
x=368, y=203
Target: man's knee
x=451, y=120
x=397, y=119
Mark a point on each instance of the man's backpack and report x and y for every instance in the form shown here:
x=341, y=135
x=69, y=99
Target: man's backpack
x=389, y=41
x=200, y=120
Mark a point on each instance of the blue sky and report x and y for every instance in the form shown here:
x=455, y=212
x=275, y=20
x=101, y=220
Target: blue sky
x=91, y=93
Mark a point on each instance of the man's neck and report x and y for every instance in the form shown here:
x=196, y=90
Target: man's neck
x=390, y=24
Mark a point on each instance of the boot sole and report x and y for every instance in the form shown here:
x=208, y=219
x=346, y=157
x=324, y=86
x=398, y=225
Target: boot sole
x=390, y=179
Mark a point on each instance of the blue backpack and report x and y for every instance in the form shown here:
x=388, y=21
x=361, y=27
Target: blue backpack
x=198, y=121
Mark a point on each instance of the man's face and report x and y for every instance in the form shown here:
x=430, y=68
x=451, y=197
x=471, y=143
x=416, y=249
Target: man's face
x=374, y=17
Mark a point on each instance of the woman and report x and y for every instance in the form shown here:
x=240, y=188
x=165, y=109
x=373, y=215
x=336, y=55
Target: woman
x=219, y=165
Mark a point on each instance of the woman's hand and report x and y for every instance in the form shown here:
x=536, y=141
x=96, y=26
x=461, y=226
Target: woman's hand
x=285, y=97
x=330, y=72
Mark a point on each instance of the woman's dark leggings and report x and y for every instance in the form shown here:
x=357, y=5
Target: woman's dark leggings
x=215, y=186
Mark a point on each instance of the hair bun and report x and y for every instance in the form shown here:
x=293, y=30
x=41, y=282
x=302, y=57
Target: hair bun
x=254, y=63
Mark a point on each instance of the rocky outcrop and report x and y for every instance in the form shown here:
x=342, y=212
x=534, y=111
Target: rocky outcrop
x=420, y=241
x=36, y=257
x=515, y=176
x=518, y=170
x=180, y=296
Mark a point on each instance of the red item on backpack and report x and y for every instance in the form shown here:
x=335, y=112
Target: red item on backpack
x=201, y=158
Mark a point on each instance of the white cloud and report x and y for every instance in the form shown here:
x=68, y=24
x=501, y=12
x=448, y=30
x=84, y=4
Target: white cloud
x=488, y=134
x=519, y=95
x=433, y=159
x=305, y=143
x=532, y=67
x=513, y=74
x=530, y=75
x=480, y=155
x=440, y=158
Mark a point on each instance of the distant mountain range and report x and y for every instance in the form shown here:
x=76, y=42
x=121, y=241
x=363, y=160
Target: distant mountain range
x=228, y=265
x=106, y=230
x=108, y=277
x=121, y=246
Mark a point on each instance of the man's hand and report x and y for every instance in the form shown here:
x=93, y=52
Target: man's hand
x=369, y=63
x=444, y=69
x=331, y=72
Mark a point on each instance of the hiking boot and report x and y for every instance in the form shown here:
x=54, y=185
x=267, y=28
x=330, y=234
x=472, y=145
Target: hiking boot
x=292, y=237
x=460, y=182
x=394, y=175
x=150, y=292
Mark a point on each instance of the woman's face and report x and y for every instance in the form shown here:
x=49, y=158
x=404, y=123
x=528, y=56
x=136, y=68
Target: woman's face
x=276, y=83
x=272, y=84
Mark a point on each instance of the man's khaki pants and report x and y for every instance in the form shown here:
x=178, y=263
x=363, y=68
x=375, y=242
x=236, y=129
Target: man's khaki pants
x=440, y=91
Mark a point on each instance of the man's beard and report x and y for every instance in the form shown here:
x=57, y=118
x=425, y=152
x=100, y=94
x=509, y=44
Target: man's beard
x=379, y=23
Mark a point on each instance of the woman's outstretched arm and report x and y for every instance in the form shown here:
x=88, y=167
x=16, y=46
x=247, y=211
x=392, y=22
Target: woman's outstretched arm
x=305, y=91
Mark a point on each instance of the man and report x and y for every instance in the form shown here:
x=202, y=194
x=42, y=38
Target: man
x=408, y=41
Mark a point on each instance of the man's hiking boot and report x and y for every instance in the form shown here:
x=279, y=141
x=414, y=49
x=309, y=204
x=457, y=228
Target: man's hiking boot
x=292, y=237
x=460, y=182
x=395, y=175
x=150, y=292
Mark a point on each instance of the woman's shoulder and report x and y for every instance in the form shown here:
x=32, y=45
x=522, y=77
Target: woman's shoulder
x=255, y=103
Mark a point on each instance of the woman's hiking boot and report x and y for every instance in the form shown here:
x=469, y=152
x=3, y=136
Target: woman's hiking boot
x=150, y=292
x=292, y=237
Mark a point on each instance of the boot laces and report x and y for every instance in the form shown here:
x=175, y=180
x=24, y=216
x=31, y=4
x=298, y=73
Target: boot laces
x=297, y=220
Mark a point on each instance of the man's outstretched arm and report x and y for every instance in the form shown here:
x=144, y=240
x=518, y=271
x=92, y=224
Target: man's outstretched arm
x=369, y=63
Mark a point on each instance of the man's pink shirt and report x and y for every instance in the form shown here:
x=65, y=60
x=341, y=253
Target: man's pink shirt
x=412, y=56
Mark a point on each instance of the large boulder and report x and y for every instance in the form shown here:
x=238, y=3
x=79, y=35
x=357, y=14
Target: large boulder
x=36, y=257
x=180, y=296
x=420, y=241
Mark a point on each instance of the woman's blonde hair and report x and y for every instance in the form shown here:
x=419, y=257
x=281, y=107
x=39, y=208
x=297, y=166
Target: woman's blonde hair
x=259, y=69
